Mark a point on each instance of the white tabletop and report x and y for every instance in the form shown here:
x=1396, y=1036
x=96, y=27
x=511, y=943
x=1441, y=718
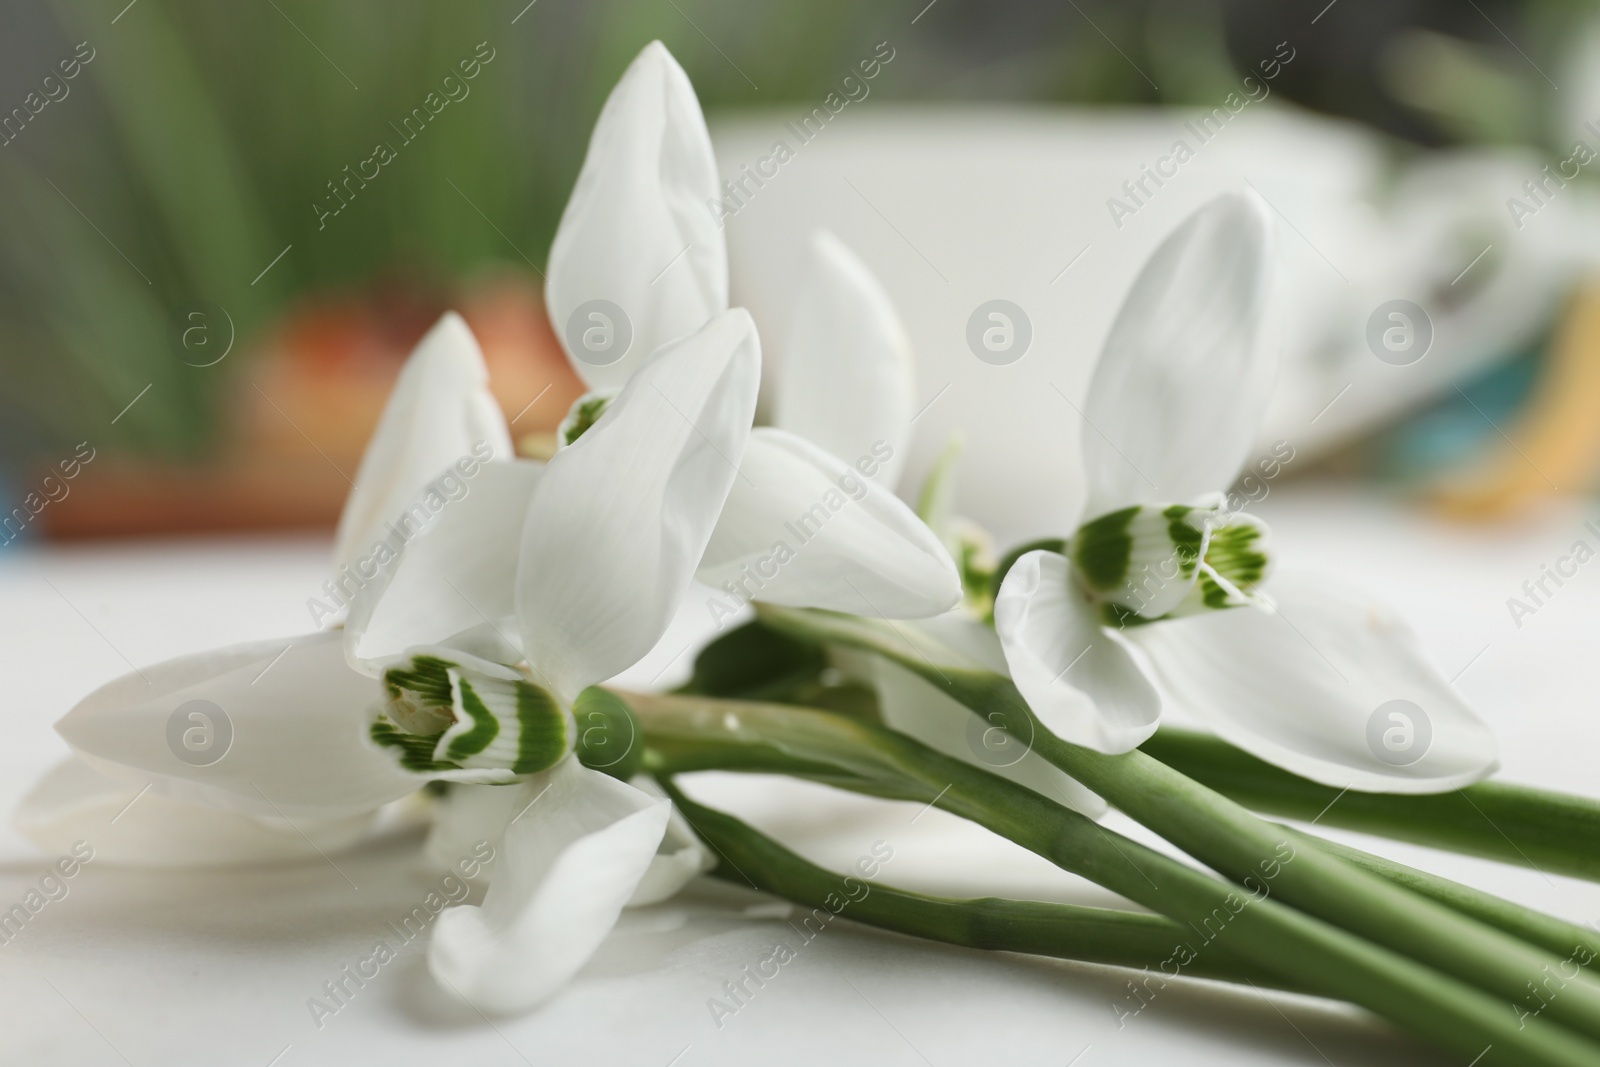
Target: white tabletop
x=215, y=968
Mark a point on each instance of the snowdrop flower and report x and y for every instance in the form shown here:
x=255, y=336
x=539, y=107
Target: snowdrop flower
x=484, y=638
x=1159, y=566
x=440, y=414
x=845, y=391
x=812, y=519
x=545, y=580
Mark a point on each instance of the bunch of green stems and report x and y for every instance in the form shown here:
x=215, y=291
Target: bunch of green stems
x=1268, y=905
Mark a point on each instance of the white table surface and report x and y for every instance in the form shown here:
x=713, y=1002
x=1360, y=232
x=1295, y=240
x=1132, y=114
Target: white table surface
x=215, y=968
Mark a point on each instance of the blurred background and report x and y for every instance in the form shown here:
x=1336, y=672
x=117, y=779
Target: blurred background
x=210, y=271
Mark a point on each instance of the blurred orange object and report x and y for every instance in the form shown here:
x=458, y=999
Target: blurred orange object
x=304, y=404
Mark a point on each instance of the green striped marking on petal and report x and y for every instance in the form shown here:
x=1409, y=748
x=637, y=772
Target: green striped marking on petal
x=1188, y=540
x=414, y=752
x=1238, y=552
x=1144, y=558
x=543, y=730
x=1103, y=548
x=472, y=720
x=505, y=724
x=1237, y=560
x=484, y=729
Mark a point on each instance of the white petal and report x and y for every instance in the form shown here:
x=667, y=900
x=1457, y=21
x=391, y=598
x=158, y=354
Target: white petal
x=804, y=529
x=468, y=816
x=846, y=382
x=622, y=515
x=1177, y=397
x=1084, y=685
x=440, y=413
x=126, y=825
x=296, y=713
x=639, y=230
x=1309, y=689
x=678, y=859
x=570, y=861
x=918, y=708
x=454, y=577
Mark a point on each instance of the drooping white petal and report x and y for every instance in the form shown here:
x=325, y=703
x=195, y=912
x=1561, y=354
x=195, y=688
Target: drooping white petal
x=678, y=859
x=454, y=577
x=1332, y=687
x=916, y=707
x=639, y=230
x=622, y=515
x=569, y=863
x=1082, y=683
x=125, y=825
x=468, y=815
x=804, y=529
x=846, y=382
x=283, y=724
x=441, y=413
x=1178, y=394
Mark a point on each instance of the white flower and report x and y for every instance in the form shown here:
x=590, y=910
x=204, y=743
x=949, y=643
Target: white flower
x=812, y=519
x=439, y=412
x=638, y=205
x=1171, y=414
x=538, y=583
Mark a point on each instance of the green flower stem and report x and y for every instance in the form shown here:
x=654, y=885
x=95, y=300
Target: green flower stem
x=688, y=732
x=1568, y=940
x=1229, y=839
x=1550, y=832
x=1063, y=931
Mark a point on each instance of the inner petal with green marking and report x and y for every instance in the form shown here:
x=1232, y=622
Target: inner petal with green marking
x=1143, y=559
x=1237, y=561
x=453, y=716
x=1153, y=561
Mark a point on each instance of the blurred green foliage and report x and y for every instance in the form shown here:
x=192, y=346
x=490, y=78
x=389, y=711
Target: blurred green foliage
x=193, y=147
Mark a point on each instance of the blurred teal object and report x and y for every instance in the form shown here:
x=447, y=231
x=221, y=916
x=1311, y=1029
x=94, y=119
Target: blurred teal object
x=1439, y=438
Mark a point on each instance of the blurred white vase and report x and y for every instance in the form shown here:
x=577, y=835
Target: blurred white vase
x=955, y=207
